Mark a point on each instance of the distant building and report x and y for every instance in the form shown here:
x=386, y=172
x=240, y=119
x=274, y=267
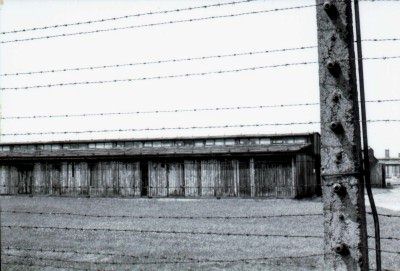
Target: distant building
x=392, y=167
x=377, y=170
x=229, y=166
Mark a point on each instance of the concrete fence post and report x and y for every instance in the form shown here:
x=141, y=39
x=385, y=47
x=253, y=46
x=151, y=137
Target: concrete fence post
x=345, y=240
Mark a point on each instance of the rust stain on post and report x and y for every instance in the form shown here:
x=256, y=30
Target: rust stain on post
x=343, y=193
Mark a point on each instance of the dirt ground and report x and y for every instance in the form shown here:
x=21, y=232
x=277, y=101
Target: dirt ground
x=60, y=249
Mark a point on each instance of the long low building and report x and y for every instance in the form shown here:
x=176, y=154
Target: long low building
x=392, y=169
x=229, y=166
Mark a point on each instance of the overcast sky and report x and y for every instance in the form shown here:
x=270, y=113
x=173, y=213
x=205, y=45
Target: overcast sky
x=283, y=85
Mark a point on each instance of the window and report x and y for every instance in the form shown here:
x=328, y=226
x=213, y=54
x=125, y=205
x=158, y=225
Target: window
x=265, y=141
x=229, y=142
x=209, y=142
x=219, y=142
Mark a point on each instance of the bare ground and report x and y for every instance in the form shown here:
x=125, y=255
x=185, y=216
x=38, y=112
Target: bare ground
x=170, y=251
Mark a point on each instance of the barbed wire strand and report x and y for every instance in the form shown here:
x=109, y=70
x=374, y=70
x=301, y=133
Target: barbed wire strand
x=161, y=129
x=386, y=238
x=172, y=60
x=181, y=128
x=183, y=75
x=102, y=20
x=386, y=251
x=179, y=110
x=144, y=263
x=386, y=215
x=44, y=265
x=185, y=260
x=177, y=60
x=159, y=231
x=175, y=217
x=161, y=217
x=160, y=77
x=231, y=15
x=177, y=10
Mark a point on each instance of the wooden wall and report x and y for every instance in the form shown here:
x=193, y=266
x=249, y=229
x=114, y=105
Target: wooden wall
x=286, y=176
x=306, y=182
x=72, y=178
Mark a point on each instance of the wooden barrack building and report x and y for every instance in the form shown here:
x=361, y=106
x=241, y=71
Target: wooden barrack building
x=228, y=166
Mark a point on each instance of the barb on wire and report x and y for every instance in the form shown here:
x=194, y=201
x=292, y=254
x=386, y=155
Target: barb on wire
x=102, y=20
x=172, y=60
x=158, y=24
x=27, y=227
x=181, y=128
x=178, y=110
x=163, y=217
x=160, y=77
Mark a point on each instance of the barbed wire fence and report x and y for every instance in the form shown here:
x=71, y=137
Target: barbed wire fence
x=59, y=257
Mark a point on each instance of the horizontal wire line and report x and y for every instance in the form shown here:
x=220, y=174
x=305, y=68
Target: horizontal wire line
x=386, y=238
x=380, y=39
x=160, y=111
x=45, y=265
x=159, y=231
x=177, y=60
x=183, y=75
x=386, y=215
x=386, y=251
x=175, y=217
x=144, y=263
x=173, y=60
x=160, y=77
x=177, y=10
x=182, y=128
x=163, y=128
x=159, y=23
x=188, y=259
x=163, y=217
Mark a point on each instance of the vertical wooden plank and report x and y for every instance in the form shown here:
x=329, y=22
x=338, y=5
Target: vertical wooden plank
x=191, y=178
x=252, y=178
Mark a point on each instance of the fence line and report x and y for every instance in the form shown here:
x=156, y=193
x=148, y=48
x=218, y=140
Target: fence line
x=182, y=128
x=182, y=75
x=245, y=261
x=173, y=60
x=160, y=231
x=231, y=15
x=163, y=217
x=177, y=217
x=102, y=20
x=177, y=10
x=188, y=259
x=180, y=110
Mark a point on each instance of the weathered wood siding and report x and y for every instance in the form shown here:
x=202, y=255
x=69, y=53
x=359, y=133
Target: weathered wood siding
x=261, y=177
x=192, y=178
x=252, y=166
x=72, y=178
x=306, y=183
x=273, y=179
